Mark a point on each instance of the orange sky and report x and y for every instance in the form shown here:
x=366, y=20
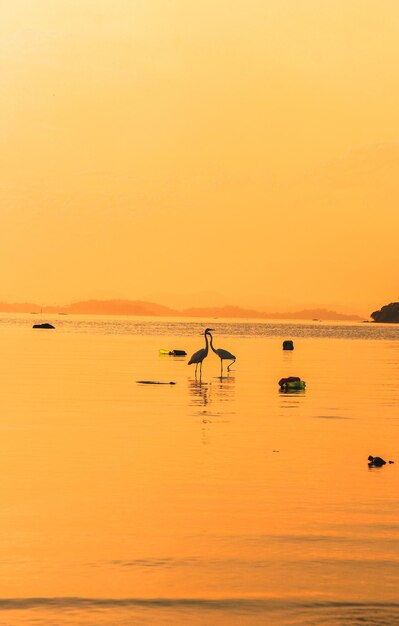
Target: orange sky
x=222, y=151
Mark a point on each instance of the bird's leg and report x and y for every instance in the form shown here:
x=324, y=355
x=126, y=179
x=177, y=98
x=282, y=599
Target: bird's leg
x=221, y=368
x=232, y=363
x=196, y=366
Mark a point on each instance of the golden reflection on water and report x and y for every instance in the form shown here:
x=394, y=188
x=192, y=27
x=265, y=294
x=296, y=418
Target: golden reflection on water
x=209, y=489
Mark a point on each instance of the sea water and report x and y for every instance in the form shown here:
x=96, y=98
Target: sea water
x=211, y=501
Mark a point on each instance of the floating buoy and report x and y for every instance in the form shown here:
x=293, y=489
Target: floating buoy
x=288, y=344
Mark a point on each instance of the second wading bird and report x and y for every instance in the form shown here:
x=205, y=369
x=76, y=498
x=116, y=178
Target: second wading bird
x=224, y=355
x=200, y=355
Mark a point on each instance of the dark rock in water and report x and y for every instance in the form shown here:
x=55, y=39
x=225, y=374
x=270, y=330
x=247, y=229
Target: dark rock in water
x=376, y=461
x=288, y=344
x=388, y=314
x=45, y=325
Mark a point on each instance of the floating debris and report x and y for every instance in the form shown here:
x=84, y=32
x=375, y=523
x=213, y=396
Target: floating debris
x=293, y=383
x=45, y=325
x=173, y=352
x=153, y=382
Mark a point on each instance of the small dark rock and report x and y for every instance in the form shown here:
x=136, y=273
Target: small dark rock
x=45, y=325
x=288, y=344
x=376, y=461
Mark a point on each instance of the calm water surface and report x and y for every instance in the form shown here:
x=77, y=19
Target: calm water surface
x=206, y=502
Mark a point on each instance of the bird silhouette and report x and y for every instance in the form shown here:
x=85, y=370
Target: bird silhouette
x=224, y=355
x=200, y=355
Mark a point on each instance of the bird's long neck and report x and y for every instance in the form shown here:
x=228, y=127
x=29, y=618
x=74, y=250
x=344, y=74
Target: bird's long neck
x=206, y=343
x=211, y=338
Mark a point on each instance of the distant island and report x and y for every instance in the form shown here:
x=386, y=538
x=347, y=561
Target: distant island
x=143, y=308
x=235, y=311
x=388, y=314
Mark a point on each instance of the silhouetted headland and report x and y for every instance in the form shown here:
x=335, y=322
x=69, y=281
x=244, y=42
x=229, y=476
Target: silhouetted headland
x=388, y=314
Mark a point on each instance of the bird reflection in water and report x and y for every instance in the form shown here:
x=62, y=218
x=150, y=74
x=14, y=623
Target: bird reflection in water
x=200, y=398
x=207, y=399
x=207, y=396
x=224, y=388
x=199, y=392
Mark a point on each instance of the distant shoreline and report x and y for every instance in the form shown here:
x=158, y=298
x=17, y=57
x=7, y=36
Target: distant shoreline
x=142, y=308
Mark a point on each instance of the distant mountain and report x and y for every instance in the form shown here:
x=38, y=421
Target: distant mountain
x=119, y=307
x=235, y=311
x=94, y=307
x=319, y=314
x=139, y=307
x=222, y=311
x=388, y=314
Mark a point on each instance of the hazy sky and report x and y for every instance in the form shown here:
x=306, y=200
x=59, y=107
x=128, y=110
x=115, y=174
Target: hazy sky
x=246, y=148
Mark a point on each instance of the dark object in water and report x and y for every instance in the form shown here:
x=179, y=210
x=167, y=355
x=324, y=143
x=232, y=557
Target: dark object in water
x=173, y=352
x=293, y=383
x=289, y=379
x=45, y=325
x=288, y=344
x=376, y=461
x=153, y=382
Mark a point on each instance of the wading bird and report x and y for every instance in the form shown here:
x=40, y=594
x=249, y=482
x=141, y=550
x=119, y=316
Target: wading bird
x=224, y=355
x=200, y=355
